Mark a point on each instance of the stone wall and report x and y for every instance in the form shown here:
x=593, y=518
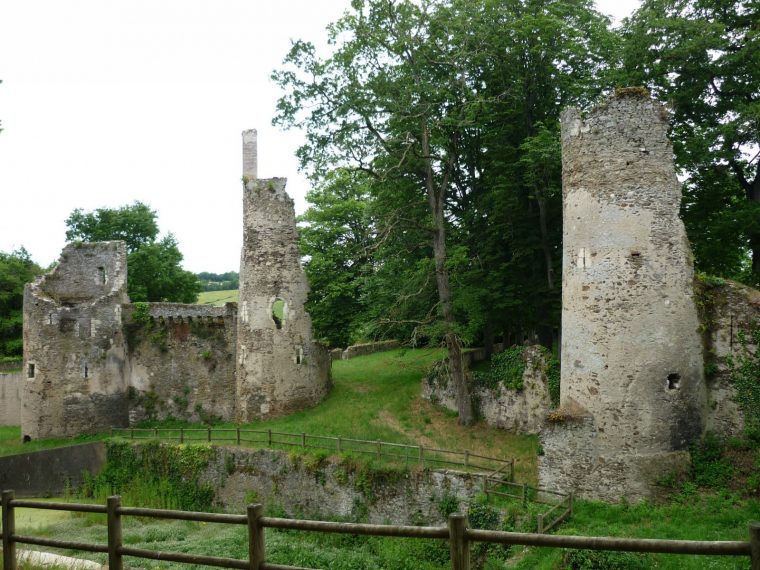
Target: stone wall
x=518, y=410
x=730, y=310
x=182, y=362
x=50, y=472
x=280, y=368
x=631, y=353
x=11, y=385
x=369, y=348
x=74, y=349
x=326, y=488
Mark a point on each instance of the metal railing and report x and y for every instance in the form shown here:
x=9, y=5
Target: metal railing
x=457, y=533
x=399, y=452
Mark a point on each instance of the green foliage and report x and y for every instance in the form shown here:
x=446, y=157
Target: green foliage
x=553, y=375
x=744, y=369
x=709, y=466
x=155, y=273
x=507, y=368
x=702, y=57
x=141, y=313
x=448, y=504
x=153, y=475
x=219, y=281
x=16, y=270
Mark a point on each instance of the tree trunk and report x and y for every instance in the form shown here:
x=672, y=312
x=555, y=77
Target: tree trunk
x=454, y=346
x=754, y=238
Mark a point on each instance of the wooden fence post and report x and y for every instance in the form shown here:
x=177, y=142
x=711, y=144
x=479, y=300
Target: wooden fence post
x=269, y=438
x=114, y=532
x=512, y=469
x=303, y=440
x=256, y=551
x=237, y=435
x=340, y=445
x=540, y=519
x=460, y=546
x=422, y=461
x=9, y=528
x=466, y=457
x=132, y=433
x=572, y=500
x=182, y=435
x=155, y=433
x=379, y=448
x=525, y=495
x=209, y=434
x=754, y=544
x=485, y=485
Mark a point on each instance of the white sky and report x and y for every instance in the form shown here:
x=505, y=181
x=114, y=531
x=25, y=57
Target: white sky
x=105, y=102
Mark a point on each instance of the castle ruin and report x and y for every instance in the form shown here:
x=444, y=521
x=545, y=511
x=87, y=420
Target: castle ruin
x=92, y=360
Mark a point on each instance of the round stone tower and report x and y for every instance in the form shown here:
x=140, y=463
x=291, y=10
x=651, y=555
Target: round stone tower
x=280, y=369
x=633, y=390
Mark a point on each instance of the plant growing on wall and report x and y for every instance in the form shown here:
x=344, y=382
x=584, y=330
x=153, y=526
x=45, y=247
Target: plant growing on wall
x=745, y=375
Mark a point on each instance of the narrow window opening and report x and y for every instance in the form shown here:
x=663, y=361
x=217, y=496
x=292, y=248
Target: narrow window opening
x=635, y=254
x=86, y=371
x=102, y=275
x=278, y=313
x=674, y=381
x=30, y=370
x=299, y=355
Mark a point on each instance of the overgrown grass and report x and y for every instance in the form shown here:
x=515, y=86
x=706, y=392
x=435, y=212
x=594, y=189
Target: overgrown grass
x=218, y=298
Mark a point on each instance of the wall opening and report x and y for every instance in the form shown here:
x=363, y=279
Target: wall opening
x=102, y=275
x=30, y=370
x=278, y=312
x=674, y=381
x=86, y=370
x=299, y=355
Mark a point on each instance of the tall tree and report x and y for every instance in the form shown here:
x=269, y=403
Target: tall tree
x=411, y=97
x=336, y=237
x=154, y=266
x=16, y=270
x=703, y=56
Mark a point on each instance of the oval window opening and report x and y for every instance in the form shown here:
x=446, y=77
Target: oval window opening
x=278, y=312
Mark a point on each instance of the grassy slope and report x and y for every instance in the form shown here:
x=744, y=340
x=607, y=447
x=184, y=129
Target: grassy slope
x=10, y=441
x=218, y=298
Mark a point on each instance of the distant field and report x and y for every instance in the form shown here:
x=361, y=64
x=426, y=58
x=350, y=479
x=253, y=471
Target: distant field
x=218, y=298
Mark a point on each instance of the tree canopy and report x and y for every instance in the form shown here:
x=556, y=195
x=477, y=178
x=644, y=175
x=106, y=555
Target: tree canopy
x=16, y=270
x=153, y=265
x=434, y=102
x=703, y=57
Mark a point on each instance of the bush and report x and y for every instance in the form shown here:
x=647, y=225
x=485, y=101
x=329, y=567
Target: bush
x=708, y=465
x=604, y=560
x=507, y=368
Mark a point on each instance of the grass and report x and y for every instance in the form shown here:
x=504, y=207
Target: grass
x=218, y=298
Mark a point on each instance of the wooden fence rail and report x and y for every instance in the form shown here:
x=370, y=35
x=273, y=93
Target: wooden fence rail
x=456, y=533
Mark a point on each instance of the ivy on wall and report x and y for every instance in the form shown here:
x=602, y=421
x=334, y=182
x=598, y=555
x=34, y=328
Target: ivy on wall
x=744, y=369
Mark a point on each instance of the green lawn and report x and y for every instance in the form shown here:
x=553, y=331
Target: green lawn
x=11, y=444
x=218, y=298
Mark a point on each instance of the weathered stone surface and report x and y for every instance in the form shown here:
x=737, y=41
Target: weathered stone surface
x=304, y=487
x=731, y=311
x=49, y=472
x=280, y=369
x=182, y=362
x=369, y=348
x=74, y=349
x=631, y=353
x=518, y=410
x=11, y=385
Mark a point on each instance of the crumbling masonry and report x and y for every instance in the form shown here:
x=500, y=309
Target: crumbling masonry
x=94, y=361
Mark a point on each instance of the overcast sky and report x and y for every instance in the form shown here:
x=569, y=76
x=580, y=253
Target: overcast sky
x=105, y=102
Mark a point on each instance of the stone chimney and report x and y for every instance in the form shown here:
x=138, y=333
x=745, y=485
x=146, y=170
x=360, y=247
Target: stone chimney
x=250, y=155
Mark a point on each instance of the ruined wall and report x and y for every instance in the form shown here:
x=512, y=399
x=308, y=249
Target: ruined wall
x=11, y=385
x=328, y=488
x=518, y=410
x=280, y=369
x=631, y=353
x=368, y=348
x=730, y=311
x=74, y=351
x=182, y=361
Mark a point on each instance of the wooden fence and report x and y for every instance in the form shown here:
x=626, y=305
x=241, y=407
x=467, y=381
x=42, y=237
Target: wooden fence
x=399, y=452
x=456, y=533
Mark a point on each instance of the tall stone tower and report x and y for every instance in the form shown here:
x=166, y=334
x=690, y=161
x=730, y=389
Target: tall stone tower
x=74, y=349
x=633, y=389
x=280, y=369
